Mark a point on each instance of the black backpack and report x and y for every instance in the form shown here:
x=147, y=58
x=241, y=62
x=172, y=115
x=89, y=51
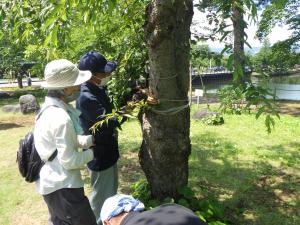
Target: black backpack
x=28, y=159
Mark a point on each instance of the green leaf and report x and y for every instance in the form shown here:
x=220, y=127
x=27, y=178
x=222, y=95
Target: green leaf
x=230, y=62
x=247, y=43
x=63, y=16
x=238, y=5
x=184, y=202
x=200, y=215
x=235, y=75
x=224, y=35
x=272, y=121
x=111, y=5
x=54, y=35
x=240, y=70
x=48, y=22
x=153, y=203
x=227, y=47
x=216, y=223
x=253, y=10
x=86, y=16
x=168, y=200
x=248, y=4
x=187, y=192
x=47, y=40
x=128, y=115
x=267, y=123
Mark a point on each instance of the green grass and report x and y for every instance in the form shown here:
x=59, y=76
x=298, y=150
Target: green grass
x=254, y=174
x=19, y=202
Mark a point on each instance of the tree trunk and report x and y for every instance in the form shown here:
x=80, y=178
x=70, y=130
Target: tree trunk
x=238, y=45
x=19, y=79
x=166, y=144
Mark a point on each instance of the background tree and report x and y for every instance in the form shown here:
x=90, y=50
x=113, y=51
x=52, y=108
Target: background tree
x=11, y=55
x=283, y=57
x=228, y=20
x=262, y=58
x=67, y=29
x=279, y=58
x=200, y=55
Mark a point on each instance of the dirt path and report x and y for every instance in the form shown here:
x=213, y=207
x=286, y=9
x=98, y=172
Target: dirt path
x=289, y=107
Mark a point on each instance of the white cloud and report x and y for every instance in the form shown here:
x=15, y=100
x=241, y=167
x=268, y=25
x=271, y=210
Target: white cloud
x=279, y=34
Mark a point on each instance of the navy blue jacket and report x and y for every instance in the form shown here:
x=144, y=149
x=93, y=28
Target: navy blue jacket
x=94, y=102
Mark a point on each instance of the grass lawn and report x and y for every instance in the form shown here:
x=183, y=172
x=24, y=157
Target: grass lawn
x=254, y=174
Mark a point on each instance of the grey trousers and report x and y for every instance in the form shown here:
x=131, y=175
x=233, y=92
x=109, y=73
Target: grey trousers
x=104, y=185
x=69, y=206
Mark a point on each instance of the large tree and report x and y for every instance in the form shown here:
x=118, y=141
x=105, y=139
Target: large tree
x=166, y=143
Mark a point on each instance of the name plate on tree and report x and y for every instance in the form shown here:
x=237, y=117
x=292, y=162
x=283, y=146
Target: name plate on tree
x=198, y=92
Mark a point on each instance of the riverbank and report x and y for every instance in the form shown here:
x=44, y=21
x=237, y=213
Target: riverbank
x=276, y=74
x=288, y=107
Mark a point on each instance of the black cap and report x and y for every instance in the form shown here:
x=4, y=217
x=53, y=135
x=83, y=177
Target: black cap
x=95, y=62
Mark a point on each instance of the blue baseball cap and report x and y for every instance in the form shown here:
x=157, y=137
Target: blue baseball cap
x=95, y=62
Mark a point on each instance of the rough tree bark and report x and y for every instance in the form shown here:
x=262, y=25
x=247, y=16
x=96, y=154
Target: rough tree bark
x=238, y=45
x=166, y=143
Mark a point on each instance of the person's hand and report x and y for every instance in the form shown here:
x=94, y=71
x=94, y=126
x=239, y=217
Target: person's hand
x=85, y=141
x=138, y=96
x=151, y=100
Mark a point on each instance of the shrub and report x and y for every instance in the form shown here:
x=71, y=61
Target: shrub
x=214, y=119
x=232, y=100
x=209, y=209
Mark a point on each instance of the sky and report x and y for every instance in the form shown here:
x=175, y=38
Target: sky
x=278, y=33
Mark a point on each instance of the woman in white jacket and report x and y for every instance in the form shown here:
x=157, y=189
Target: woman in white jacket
x=58, y=129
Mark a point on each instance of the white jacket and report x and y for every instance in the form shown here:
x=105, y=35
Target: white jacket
x=55, y=130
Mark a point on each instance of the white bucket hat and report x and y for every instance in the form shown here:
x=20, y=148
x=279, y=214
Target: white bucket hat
x=62, y=73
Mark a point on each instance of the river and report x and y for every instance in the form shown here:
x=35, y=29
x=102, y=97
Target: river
x=285, y=87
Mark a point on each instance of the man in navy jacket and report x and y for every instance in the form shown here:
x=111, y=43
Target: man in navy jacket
x=93, y=103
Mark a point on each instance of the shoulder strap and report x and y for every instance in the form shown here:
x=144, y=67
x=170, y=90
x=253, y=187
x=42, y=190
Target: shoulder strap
x=41, y=111
x=54, y=154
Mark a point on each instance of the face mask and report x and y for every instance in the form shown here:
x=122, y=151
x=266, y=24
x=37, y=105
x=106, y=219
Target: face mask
x=98, y=80
x=104, y=81
x=72, y=97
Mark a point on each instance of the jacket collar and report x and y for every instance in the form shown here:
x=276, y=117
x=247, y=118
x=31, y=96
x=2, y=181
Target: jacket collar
x=54, y=101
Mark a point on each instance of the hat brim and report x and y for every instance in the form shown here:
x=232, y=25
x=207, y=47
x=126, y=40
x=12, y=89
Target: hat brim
x=109, y=67
x=82, y=77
